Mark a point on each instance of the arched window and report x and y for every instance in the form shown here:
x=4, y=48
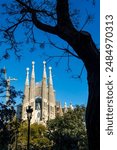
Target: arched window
x=38, y=103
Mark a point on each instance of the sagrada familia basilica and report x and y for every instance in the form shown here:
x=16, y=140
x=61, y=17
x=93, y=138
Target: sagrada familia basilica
x=41, y=97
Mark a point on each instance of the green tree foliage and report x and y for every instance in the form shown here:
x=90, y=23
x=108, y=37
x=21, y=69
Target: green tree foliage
x=68, y=132
x=7, y=111
x=38, y=139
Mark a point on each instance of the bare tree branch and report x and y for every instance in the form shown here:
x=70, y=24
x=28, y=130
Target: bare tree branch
x=89, y=18
x=63, y=15
x=42, y=26
x=63, y=49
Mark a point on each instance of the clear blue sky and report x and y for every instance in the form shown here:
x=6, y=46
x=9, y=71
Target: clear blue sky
x=67, y=89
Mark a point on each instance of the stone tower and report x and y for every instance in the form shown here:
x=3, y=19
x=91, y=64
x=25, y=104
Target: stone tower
x=51, y=97
x=44, y=95
x=32, y=91
x=40, y=96
x=26, y=95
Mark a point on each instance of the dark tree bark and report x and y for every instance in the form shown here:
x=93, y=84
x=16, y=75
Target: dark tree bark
x=83, y=45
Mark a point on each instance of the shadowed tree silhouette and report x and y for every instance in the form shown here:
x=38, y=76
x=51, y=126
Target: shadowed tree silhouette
x=55, y=18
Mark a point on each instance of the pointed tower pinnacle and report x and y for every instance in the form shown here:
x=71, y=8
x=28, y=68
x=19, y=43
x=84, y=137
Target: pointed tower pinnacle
x=26, y=94
x=44, y=81
x=44, y=94
x=27, y=76
x=51, y=96
x=32, y=82
x=44, y=69
x=26, y=89
x=33, y=72
x=50, y=76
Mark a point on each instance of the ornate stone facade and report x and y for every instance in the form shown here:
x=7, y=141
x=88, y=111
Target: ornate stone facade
x=40, y=96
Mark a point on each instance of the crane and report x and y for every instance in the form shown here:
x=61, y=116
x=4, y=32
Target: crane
x=8, y=80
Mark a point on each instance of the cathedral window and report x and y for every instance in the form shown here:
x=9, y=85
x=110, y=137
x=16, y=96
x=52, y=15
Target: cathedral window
x=38, y=104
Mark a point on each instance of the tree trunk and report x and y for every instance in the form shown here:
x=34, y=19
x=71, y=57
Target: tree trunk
x=84, y=46
x=93, y=111
x=91, y=58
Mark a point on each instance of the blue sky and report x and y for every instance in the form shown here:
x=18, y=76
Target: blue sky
x=67, y=89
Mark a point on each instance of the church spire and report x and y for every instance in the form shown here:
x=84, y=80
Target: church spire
x=50, y=76
x=26, y=93
x=51, y=96
x=33, y=71
x=44, y=82
x=32, y=82
x=44, y=93
x=27, y=76
x=44, y=69
x=26, y=88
